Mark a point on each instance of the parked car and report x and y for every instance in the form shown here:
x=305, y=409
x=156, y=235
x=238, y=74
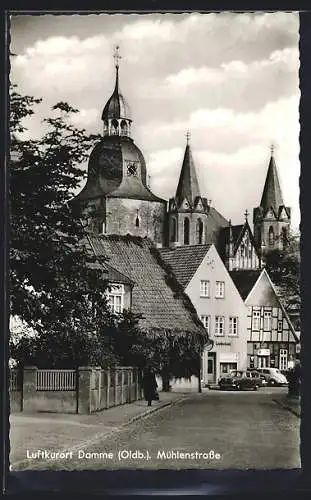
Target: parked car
x=259, y=377
x=239, y=380
x=273, y=376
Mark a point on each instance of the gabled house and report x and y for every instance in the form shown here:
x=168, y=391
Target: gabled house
x=271, y=337
x=208, y=284
x=237, y=247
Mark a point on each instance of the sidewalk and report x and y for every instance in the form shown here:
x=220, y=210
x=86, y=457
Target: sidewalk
x=62, y=432
x=291, y=404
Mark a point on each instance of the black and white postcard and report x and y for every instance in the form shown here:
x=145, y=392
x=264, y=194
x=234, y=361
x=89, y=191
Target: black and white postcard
x=154, y=241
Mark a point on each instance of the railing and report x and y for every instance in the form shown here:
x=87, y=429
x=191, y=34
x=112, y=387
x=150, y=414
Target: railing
x=56, y=380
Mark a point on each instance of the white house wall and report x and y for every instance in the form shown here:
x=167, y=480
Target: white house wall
x=226, y=348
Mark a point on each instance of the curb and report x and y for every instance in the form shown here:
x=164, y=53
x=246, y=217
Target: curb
x=148, y=412
x=106, y=435
x=291, y=410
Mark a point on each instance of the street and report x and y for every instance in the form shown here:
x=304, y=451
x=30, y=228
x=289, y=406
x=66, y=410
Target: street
x=215, y=429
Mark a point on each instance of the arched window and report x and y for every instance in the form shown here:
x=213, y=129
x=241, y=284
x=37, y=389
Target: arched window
x=271, y=236
x=259, y=242
x=284, y=237
x=199, y=232
x=186, y=231
x=114, y=127
x=106, y=127
x=173, y=229
x=242, y=249
x=137, y=221
x=124, y=128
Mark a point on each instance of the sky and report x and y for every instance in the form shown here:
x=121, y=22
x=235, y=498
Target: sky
x=230, y=79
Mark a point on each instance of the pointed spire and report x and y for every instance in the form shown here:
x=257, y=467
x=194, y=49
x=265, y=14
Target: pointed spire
x=272, y=194
x=188, y=186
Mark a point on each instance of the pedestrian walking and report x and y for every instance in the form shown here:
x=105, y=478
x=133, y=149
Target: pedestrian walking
x=150, y=385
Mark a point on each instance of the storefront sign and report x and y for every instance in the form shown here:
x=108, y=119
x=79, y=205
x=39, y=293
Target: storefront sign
x=223, y=343
x=263, y=352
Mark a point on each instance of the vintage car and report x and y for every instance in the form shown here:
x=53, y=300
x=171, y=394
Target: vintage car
x=262, y=382
x=240, y=380
x=273, y=376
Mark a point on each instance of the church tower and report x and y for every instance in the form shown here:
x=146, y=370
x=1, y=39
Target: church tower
x=272, y=218
x=188, y=211
x=116, y=198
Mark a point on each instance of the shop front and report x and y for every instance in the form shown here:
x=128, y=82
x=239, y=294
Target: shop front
x=280, y=355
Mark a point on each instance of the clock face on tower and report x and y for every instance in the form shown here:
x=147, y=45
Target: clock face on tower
x=132, y=169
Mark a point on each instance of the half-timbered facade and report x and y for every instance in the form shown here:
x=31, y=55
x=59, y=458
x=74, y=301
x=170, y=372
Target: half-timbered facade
x=271, y=338
x=237, y=247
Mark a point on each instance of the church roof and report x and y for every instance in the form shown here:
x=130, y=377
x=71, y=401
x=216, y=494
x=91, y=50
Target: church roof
x=184, y=260
x=156, y=294
x=245, y=280
x=188, y=186
x=107, y=162
x=215, y=223
x=272, y=194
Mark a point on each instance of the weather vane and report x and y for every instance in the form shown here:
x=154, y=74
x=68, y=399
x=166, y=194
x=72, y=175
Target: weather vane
x=116, y=55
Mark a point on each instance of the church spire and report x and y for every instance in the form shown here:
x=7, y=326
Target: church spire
x=272, y=194
x=188, y=186
x=116, y=114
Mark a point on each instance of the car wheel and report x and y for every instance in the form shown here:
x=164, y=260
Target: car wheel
x=272, y=382
x=238, y=387
x=255, y=388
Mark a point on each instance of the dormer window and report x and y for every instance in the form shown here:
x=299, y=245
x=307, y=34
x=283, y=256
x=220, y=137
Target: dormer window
x=115, y=297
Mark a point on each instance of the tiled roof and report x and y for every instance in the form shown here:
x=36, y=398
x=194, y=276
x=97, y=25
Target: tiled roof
x=184, y=260
x=155, y=295
x=244, y=281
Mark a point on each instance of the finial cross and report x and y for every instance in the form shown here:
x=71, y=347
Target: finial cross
x=272, y=148
x=246, y=214
x=116, y=55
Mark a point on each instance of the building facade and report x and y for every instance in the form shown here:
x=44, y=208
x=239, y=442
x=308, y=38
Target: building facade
x=218, y=303
x=271, y=337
